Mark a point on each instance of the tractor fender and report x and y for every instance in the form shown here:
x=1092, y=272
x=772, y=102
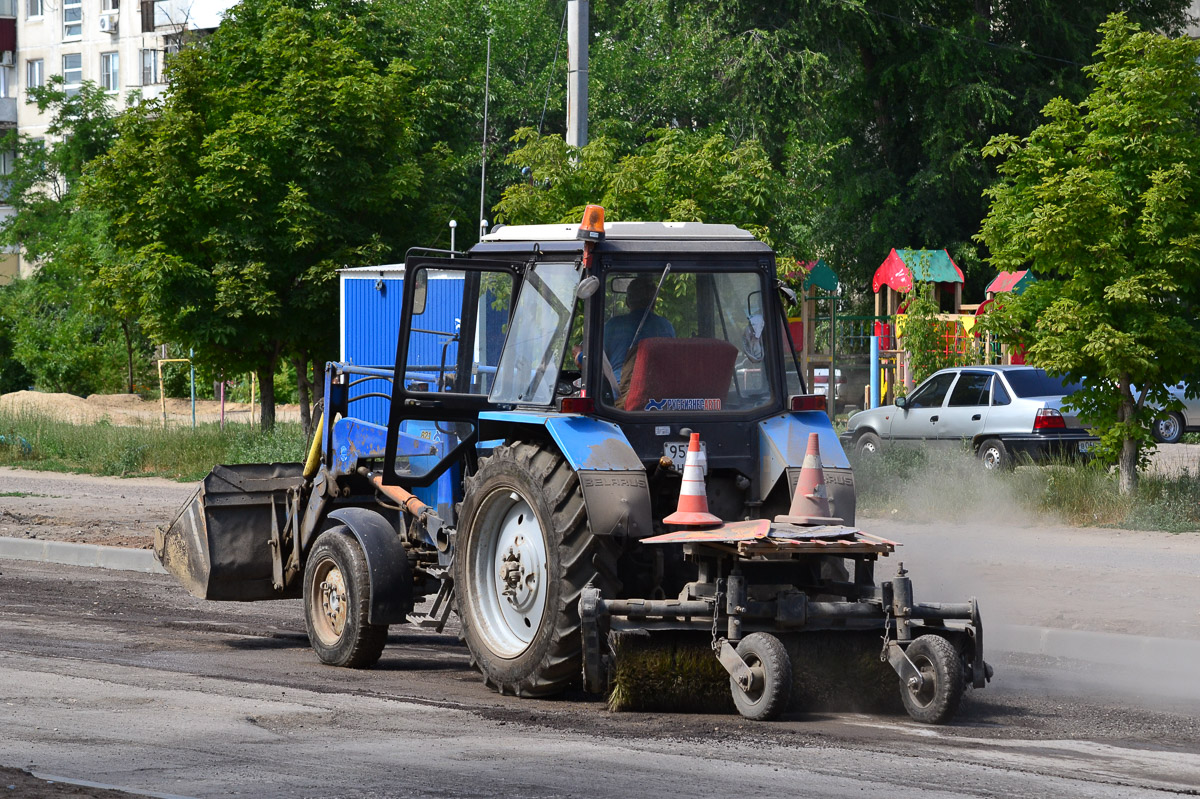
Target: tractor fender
x=616, y=490
x=783, y=442
x=387, y=564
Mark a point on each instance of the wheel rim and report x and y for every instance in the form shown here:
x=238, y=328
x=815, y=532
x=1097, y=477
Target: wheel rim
x=758, y=684
x=924, y=696
x=1168, y=428
x=867, y=447
x=991, y=457
x=508, y=559
x=330, y=601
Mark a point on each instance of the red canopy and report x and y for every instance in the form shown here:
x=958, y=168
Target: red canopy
x=932, y=266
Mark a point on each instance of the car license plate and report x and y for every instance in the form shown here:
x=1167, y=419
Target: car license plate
x=1087, y=446
x=677, y=452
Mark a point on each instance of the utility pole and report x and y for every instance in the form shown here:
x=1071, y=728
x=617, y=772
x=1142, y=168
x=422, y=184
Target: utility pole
x=577, y=72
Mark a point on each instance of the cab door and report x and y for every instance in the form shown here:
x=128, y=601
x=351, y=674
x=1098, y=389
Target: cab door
x=454, y=318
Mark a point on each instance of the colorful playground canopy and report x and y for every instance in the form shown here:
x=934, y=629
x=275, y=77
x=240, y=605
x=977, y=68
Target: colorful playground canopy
x=903, y=267
x=1016, y=282
x=820, y=274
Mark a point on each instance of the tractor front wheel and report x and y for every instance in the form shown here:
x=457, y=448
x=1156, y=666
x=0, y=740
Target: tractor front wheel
x=337, y=600
x=523, y=556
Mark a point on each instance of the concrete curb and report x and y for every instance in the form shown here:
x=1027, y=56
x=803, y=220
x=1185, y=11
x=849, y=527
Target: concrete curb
x=119, y=558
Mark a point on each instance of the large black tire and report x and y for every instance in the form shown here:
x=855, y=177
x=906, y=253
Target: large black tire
x=868, y=445
x=942, y=668
x=994, y=455
x=524, y=552
x=767, y=657
x=337, y=600
x=1170, y=429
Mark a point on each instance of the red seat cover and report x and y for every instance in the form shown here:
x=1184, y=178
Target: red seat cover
x=680, y=368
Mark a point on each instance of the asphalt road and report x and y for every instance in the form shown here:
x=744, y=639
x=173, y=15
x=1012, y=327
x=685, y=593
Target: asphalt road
x=121, y=679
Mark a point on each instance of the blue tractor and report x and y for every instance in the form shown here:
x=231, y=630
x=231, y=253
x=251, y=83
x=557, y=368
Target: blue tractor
x=535, y=441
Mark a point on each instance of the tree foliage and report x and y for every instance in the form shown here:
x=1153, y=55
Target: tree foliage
x=285, y=149
x=1101, y=201
x=875, y=112
x=63, y=329
x=676, y=176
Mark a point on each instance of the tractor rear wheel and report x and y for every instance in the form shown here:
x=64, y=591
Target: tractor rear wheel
x=524, y=553
x=337, y=600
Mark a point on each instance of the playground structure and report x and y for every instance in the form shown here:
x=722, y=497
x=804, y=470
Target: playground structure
x=814, y=333
x=869, y=347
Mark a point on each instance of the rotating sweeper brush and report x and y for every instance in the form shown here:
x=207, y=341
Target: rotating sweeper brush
x=762, y=628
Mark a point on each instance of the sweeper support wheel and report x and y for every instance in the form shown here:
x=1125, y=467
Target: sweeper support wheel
x=940, y=690
x=768, y=685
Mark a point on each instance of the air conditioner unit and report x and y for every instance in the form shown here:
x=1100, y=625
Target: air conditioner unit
x=108, y=23
x=6, y=58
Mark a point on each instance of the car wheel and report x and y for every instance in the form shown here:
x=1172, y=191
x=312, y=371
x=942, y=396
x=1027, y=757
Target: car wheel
x=994, y=455
x=868, y=444
x=1169, y=430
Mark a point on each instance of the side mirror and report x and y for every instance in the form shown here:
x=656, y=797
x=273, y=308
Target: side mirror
x=902, y=403
x=420, y=291
x=587, y=287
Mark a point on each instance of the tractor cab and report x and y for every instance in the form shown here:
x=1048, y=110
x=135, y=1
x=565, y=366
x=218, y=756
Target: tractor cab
x=649, y=330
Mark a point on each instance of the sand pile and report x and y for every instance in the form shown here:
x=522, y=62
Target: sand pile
x=130, y=409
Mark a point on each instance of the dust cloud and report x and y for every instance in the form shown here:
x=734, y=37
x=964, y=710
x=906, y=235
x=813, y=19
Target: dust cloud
x=952, y=487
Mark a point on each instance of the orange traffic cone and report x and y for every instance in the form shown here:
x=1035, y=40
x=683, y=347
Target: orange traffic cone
x=810, y=505
x=693, y=498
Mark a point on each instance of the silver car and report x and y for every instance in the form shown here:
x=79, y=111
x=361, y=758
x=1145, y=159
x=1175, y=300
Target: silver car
x=1170, y=429
x=1001, y=412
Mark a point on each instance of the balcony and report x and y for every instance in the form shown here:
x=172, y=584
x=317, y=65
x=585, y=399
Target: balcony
x=8, y=112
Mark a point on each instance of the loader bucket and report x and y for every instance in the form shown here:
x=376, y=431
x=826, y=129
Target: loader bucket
x=219, y=544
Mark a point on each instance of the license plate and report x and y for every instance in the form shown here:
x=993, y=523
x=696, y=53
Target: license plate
x=677, y=452
x=1087, y=446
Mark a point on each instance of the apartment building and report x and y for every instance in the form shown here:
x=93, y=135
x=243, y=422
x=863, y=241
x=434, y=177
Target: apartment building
x=122, y=45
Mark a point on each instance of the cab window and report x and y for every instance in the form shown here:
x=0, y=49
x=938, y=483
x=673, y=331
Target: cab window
x=677, y=340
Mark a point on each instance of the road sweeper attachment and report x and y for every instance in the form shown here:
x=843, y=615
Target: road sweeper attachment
x=759, y=601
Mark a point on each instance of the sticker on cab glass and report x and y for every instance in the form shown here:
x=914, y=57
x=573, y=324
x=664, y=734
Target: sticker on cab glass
x=695, y=404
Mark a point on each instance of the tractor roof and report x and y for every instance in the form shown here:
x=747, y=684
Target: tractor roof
x=696, y=231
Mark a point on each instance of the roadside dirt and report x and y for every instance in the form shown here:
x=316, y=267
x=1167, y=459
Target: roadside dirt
x=80, y=508
x=16, y=782
x=131, y=409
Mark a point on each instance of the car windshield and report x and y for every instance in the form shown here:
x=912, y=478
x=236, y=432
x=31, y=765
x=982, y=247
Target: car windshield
x=678, y=340
x=1036, y=383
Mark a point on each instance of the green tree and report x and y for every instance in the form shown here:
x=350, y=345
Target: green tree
x=65, y=302
x=1101, y=202
x=43, y=183
x=876, y=111
x=285, y=148
x=676, y=176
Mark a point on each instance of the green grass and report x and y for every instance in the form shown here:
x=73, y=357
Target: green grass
x=33, y=441
x=921, y=486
